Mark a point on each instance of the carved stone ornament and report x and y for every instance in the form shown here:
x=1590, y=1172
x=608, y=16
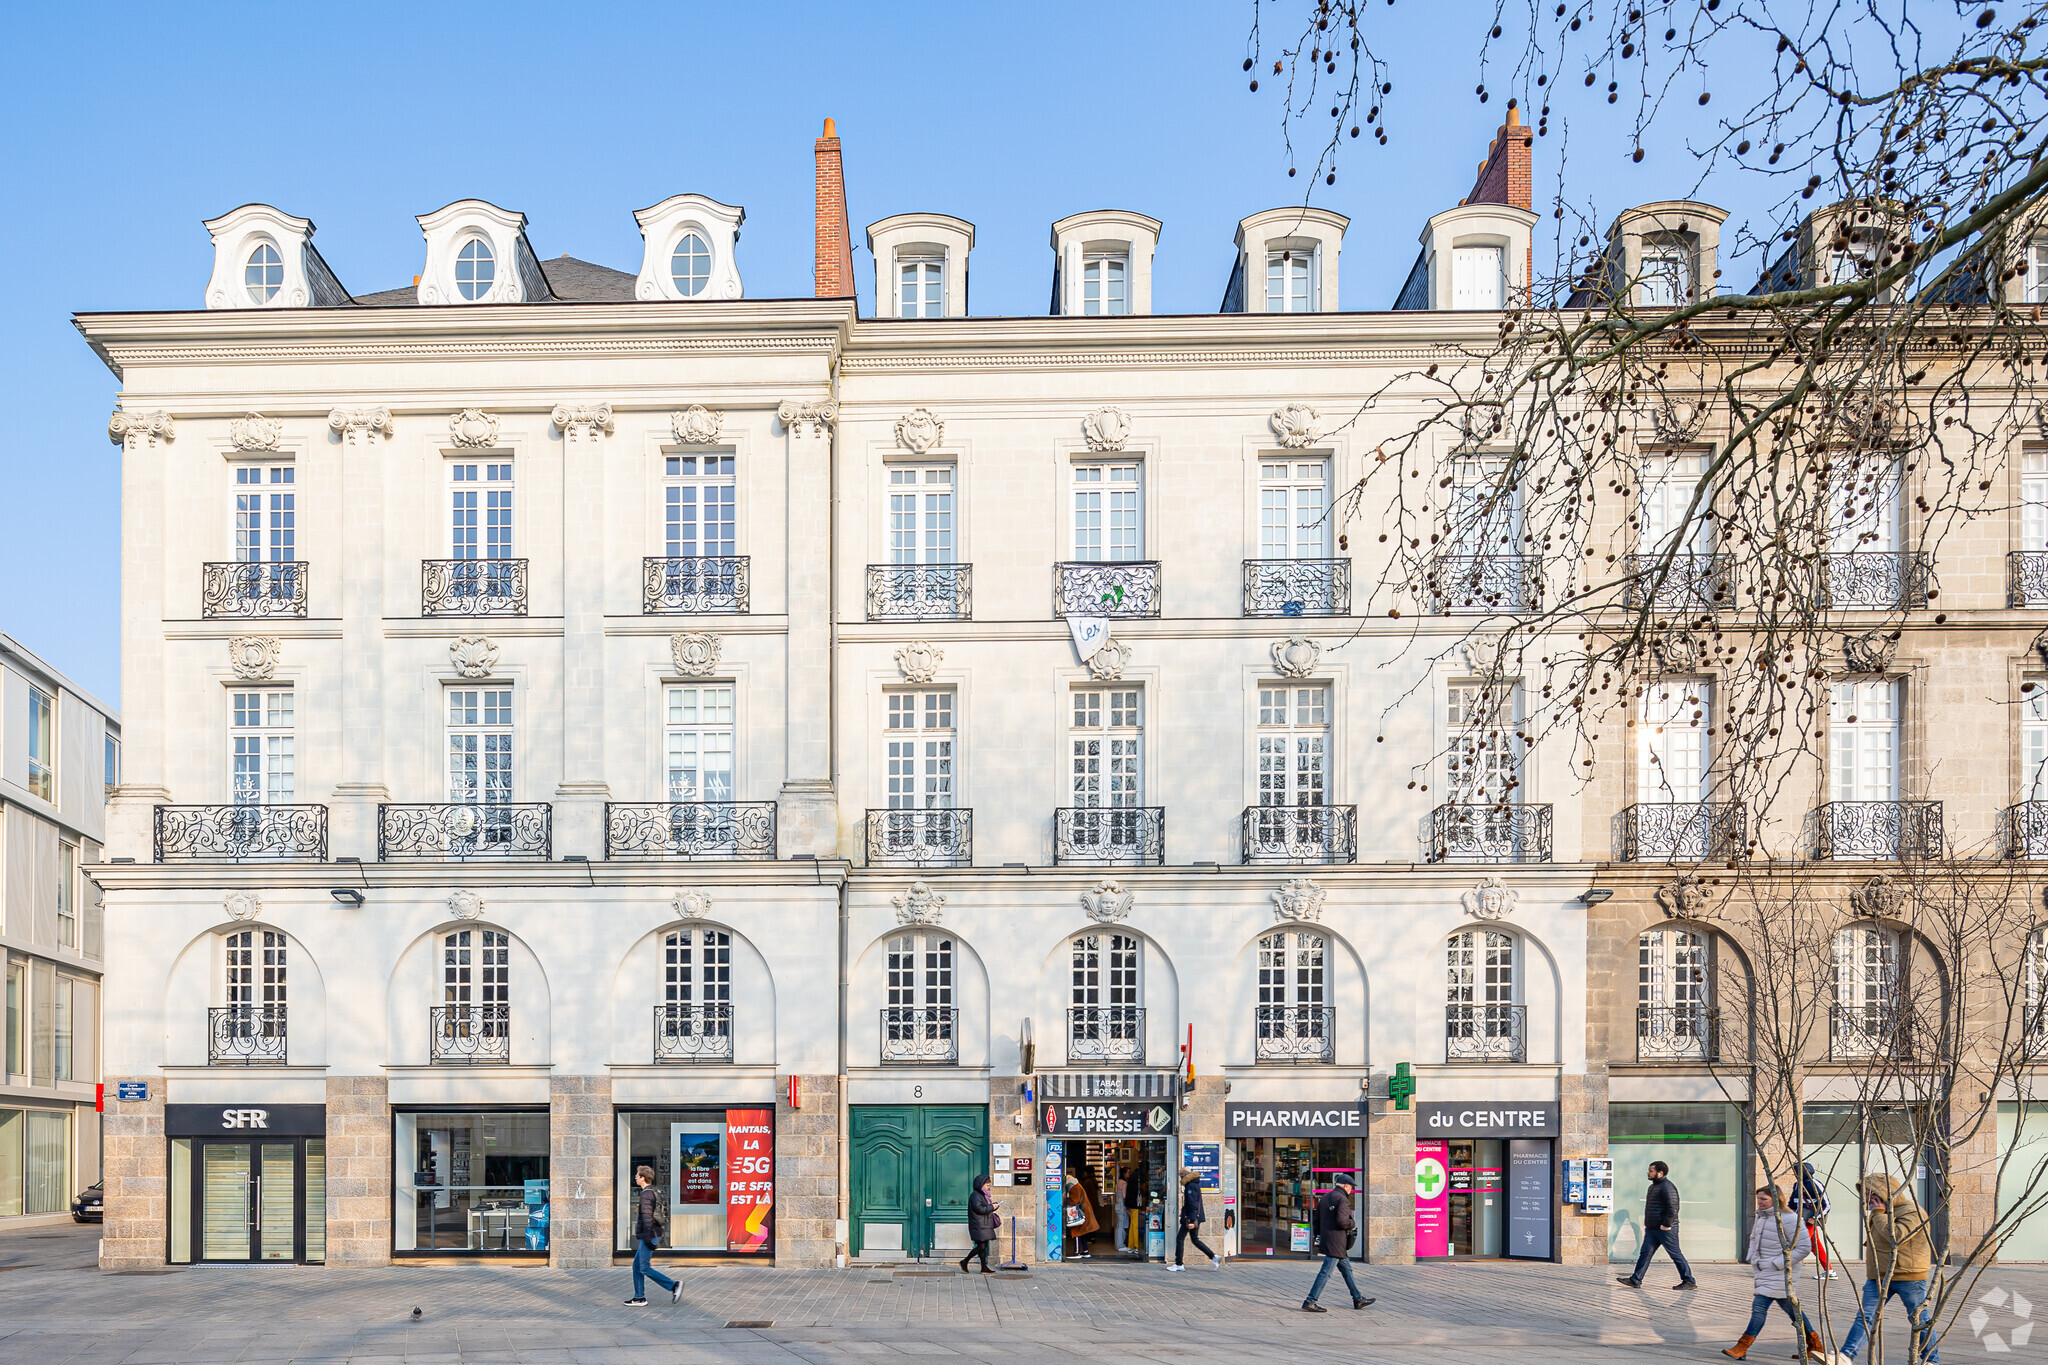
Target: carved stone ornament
x=919, y=661
x=473, y=430
x=1106, y=429
x=1298, y=899
x=242, y=905
x=1110, y=901
x=1491, y=899
x=1296, y=656
x=695, y=653
x=254, y=657
x=255, y=432
x=1870, y=652
x=919, y=905
x=582, y=419
x=2041, y=419
x=1878, y=898
x=696, y=425
x=815, y=418
x=1676, y=651
x=355, y=423
x=1683, y=897
x=466, y=904
x=140, y=425
x=1678, y=421
x=691, y=904
x=1482, y=653
x=919, y=430
x=2041, y=648
x=1107, y=663
x=1297, y=425
x=474, y=656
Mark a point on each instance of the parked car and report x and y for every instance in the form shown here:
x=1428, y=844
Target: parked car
x=89, y=1207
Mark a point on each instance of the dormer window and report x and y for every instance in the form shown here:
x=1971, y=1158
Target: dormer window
x=1667, y=274
x=475, y=269
x=690, y=267
x=1290, y=281
x=264, y=273
x=1103, y=292
x=922, y=286
x=2037, y=278
x=1854, y=262
x=1478, y=276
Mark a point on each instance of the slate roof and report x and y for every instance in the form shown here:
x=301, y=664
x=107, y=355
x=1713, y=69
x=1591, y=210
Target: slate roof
x=573, y=281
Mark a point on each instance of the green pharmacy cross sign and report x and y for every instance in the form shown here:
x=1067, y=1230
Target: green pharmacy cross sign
x=1401, y=1085
x=1429, y=1177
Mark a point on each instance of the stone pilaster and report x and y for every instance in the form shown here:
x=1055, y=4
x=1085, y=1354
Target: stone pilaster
x=137, y=1161
x=1972, y=1173
x=1023, y=1205
x=579, y=1171
x=807, y=1172
x=1390, y=1176
x=358, y=1171
x=1582, y=1105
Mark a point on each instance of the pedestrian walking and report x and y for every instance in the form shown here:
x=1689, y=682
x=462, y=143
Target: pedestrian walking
x=982, y=1222
x=1191, y=1220
x=1810, y=1202
x=1660, y=1229
x=1777, y=1244
x=1897, y=1259
x=650, y=1222
x=1084, y=1227
x=1335, y=1228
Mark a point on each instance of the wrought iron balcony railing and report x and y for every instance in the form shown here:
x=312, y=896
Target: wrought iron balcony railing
x=1688, y=583
x=245, y=1035
x=2026, y=583
x=1677, y=1033
x=1887, y=831
x=689, y=1034
x=1132, y=836
x=462, y=829
x=1868, y=1031
x=1297, y=587
x=1683, y=832
x=1106, y=1033
x=920, y=1035
x=2025, y=830
x=464, y=1034
x=1877, y=580
x=1486, y=1033
x=243, y=588
x=472, y=587
x=1084, y=588
x=694, y=585
x=1502, y=832
x=1296, y=1033
x=920, y=592
x=1300, y=834
x=240, y=834
x=743, y=830
x=1458, y=584
x=921, y=838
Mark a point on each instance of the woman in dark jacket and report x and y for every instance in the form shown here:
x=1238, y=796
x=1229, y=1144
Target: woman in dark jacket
x=1191, y=1219
x=981, y=1224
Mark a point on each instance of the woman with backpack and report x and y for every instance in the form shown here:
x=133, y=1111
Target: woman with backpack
x=650, y=1224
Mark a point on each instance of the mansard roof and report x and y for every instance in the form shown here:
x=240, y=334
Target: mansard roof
x=572, y=281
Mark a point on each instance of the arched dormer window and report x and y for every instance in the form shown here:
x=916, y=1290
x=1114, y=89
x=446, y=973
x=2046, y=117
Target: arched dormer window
x=1484, y=1020
x=476, y=268
x=264, y=273
x=689, y=266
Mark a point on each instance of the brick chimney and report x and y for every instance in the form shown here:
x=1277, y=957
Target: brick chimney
x=833, y=275
x=1504, y=175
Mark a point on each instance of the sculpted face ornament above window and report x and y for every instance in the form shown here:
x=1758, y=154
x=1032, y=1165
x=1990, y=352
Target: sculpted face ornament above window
x=1683, y=897
x=918, y=905
x=1298, y=899
x=1109, y=902
x=1492, y=899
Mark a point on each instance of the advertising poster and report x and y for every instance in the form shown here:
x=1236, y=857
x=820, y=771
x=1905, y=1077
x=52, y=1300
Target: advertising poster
x=1205, y=1159
x=1599, y=1184
x=749, y=1178
x=1575, y=1181
x=696, y=1158
x=1432, y=1199
x=1529, y=1199
x=1055, y=1201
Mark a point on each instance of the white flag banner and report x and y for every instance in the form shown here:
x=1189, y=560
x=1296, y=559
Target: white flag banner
x=1091, y=633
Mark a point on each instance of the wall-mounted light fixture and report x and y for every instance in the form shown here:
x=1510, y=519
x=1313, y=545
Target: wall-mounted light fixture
x=1593, y=895
x=348, y=896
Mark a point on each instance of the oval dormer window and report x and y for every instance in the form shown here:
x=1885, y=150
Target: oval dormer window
x=475, y=269
x=690, y=267
x=264, y=274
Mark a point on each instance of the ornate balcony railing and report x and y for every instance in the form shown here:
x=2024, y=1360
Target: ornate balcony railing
x=1677, y=1033
x=1083, y=588
x=1691, y=582
x=472, y=587
x=742, y=830
x=2026, y=830
x=1883, y=830
x=690, y=1034
x=1870, y=1030
x=1486, y=1033
x=1457, y=584
x=1295, y=1033
x=245, y=1035
x=464, y=1034
x=1300, y=834
x=240, y=834
x=1132, y=836
x=2026, y=582
x=921, y=838
x=694, y=585
x=1877, y=580
x=1683, y=832
x=242, y=588
x=920, y=592
x=1106, y=1033
x=1502, y=832
x=1297, y=587
x=461, y=829
x=920, y=1035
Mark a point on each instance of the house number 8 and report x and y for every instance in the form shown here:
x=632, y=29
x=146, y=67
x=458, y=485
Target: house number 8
x=917, y=1092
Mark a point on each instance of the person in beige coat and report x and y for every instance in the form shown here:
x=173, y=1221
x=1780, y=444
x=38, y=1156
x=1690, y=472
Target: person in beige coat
x=1777, y=1244
x=1898, y=1258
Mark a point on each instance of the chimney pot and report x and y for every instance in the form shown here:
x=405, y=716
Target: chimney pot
x=831, y=130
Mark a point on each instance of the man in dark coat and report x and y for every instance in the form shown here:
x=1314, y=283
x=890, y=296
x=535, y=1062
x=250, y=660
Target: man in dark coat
x=1192, y=1217
x=1660, y=1229
x=648, y=1223
x=1333, y=1227
x=981, y=1224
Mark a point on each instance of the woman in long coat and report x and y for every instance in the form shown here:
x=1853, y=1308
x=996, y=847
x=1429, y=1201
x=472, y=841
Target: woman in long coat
x=1077, y=1198
x=981, y=1224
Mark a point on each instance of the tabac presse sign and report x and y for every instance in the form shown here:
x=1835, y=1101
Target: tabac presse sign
x=1081, y=1118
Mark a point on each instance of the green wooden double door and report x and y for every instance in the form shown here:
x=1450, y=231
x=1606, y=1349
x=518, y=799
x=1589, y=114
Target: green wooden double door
x=913, y=1167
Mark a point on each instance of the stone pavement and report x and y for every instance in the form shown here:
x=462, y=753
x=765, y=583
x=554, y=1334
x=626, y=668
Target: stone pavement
x=55, y=1310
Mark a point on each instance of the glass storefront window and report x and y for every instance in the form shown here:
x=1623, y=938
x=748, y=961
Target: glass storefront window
x=697, y=1156
x=470, y=1182
x=35, y=1161
x=12, y=1151
x=2023, y=1181
x=181, y=1201
x=1702, y=1144
x=1846, y=1142
x=1279, y=1180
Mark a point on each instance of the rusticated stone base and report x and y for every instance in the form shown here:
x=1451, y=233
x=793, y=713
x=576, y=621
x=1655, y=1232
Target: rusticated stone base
x=579, y=1171
x=136, y=1161
x=358, y=1171
x=1390, y=1172
x=807, y=1172
x=1582, y=1237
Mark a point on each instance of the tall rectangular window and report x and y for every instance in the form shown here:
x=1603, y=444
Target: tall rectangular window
x=921, y=514
x=1102, y=286
x=1108, y=526
x=1486, y=509
x=920, y=750
x=1294, y=500
x=2034, y=742
x=266, y=514
x=1666, y=279
x=921, y=286
x=67, y=895
x=1290, y=280
x=698, y=740
x=16, y=1060
x=1484, y=753
x=2037, y=278
x=1671, y=741
x=1478, y=276
x=1669, y=483
x=1863, y=740
x=1294, y=740
x=2034, y=500
x=113, y=765
x=42, y=744
x=698, y=506
x=480, y=507
x=1106, y=765
x=265, y=764
x=480, y=745
x=1863, y=505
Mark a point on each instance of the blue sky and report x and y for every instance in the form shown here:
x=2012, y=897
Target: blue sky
x=123, y=127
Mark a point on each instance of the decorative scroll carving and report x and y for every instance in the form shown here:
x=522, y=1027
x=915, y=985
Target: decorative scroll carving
x=255, y=432
x=695, y=653
x=254, y=657
x=1107, y=428
x=1297, y=425
x=919, y=430
x=143, y=426
x=1296, y=656
x=1107, y=664
x=357, y=423
x=799, y=418
x=474, y=656
x=697, y=425
x=473, y=430
x=919, y=661
x=582, y=419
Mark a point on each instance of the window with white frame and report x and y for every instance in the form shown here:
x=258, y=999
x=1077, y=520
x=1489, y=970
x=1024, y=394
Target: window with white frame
x=696, y=984
x=1291, y=280
x=1485, y=507
x=1108, y=523
x=1666, y=279
x=476, y=980
x=480, y=745
x=690, y=265
x=1478, y=276
x=1480, y=995
x=1673, y=758
x=263, y=275
x=266, y=513
x=1294, y=743
x=921, y=514
x=699, y=514
x=255, y=970
x=2034, y=741
x=265, y=771
x=1484, y=749
x=112, y=766
x=1103, y=286
x=2037, y=278
x=2034, y=968
x=920, y=750
x=1863, y=505
x=480, y=504
x=1856, y=261
x=1669, y=483
x=698, y=741
x=1863, y=739
x=918, y=1003
x=67, y=895
x=64, y=1004
x=1293, y=1019
x=1105, y=1016
x=476, y=266
x=921, y=286
x=1294, y=500
x=1866, y=989
x=1105, y=748
x=42, y=744
x=1672, y=1021
x=2032, y=586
